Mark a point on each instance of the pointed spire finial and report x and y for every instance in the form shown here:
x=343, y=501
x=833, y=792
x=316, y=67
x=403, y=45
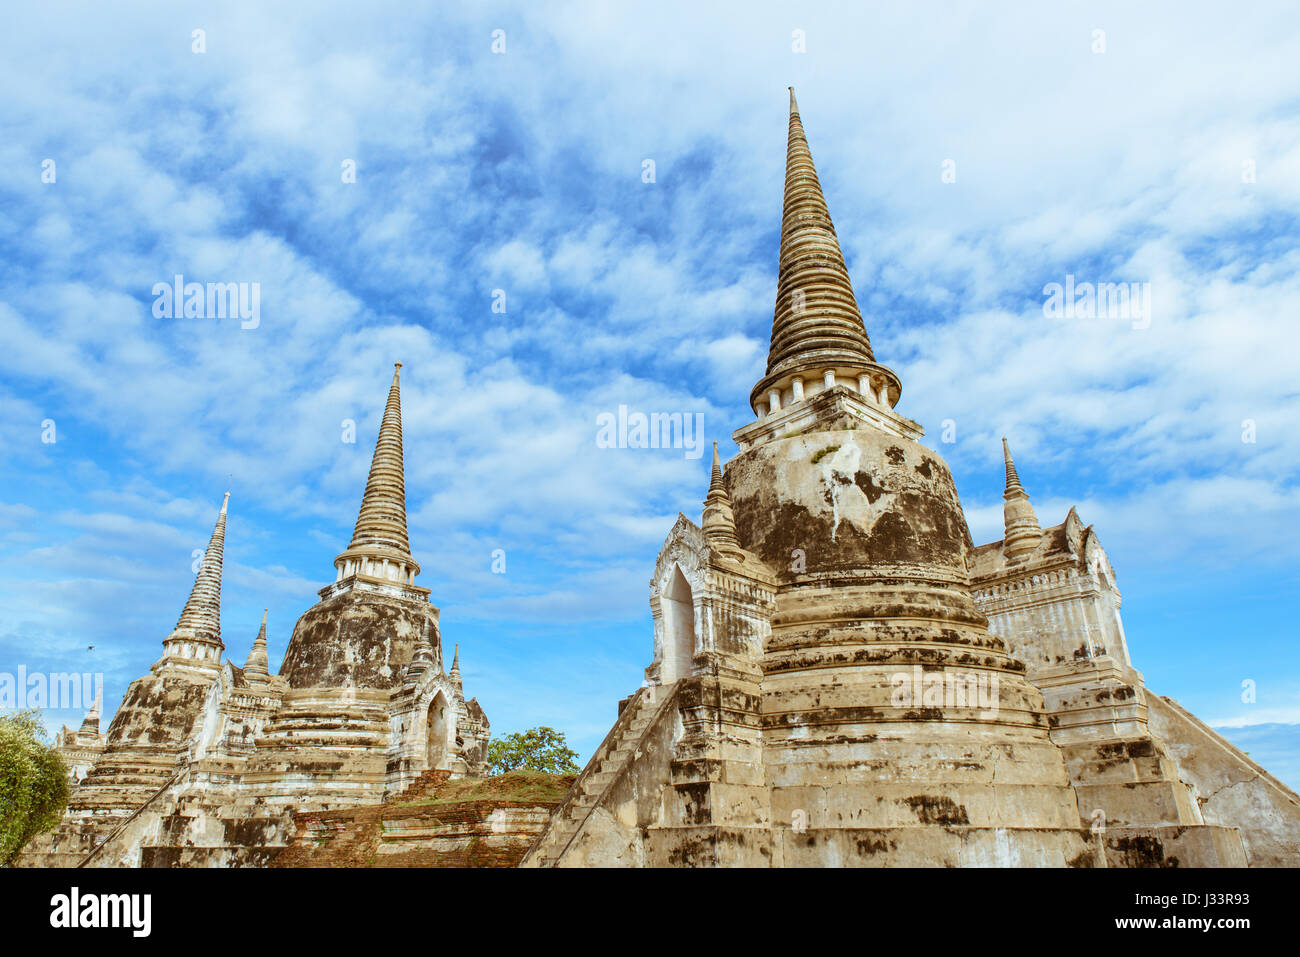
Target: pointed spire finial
x=201, y=618
x=90, y=724
x=1013, y=480
x=817, y=328
x=719, y=522
x=455, y=660
x=715, y=479
x=380, y=546
x=1022, y=532
x=257, y=663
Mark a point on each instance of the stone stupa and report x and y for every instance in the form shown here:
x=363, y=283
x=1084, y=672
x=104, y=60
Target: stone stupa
x=825, y=689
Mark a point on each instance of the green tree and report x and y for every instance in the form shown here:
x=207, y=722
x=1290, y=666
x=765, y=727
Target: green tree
x=538, y=749
x=33, y=783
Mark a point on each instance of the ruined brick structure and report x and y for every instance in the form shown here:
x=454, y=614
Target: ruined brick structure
x=841, y=678
x=206, y=763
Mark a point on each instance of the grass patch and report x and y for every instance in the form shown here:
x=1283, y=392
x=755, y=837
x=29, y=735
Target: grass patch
x=824, y=452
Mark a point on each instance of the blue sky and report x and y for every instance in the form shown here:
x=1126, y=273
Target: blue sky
x=522, y=171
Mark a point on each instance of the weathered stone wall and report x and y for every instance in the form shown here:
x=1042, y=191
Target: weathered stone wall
x=1231, y=788
x=359, y=639
x=879, y=603
x=850, y=499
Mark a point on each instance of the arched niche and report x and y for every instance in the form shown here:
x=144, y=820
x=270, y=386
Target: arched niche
x=678, y=606
x=439, y=722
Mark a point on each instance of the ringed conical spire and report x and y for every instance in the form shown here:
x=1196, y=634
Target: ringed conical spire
x=90, y=724
x=818, y=337
x=380, y=547
x=1013, y=480
x=198, y=631
x=815, y=306
x=719, y=522
x=258, y=663
x=1022, y=533
x=381, y=522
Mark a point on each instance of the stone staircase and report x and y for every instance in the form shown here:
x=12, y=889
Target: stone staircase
x=100, y=808
x=606, y=765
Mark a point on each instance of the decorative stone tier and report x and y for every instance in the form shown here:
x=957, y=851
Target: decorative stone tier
x=837, y=407
x=324, y=748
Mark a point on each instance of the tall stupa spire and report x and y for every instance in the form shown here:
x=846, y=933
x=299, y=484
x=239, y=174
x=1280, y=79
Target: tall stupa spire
x=1022, y=533
x=818, y=337
x=198, y=631
x=719, y=522
x=380, y=547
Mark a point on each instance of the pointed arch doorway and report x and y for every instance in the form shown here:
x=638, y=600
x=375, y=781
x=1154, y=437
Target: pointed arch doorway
x=678, y=603
x=437, y=730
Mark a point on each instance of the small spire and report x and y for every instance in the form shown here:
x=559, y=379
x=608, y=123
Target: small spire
x=455, y=660
x=1022, y=532
x=201, y=617
x=1013, y=480
x=257, y=662
x=90, y=725
x=715, y=479
x=719, y=522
